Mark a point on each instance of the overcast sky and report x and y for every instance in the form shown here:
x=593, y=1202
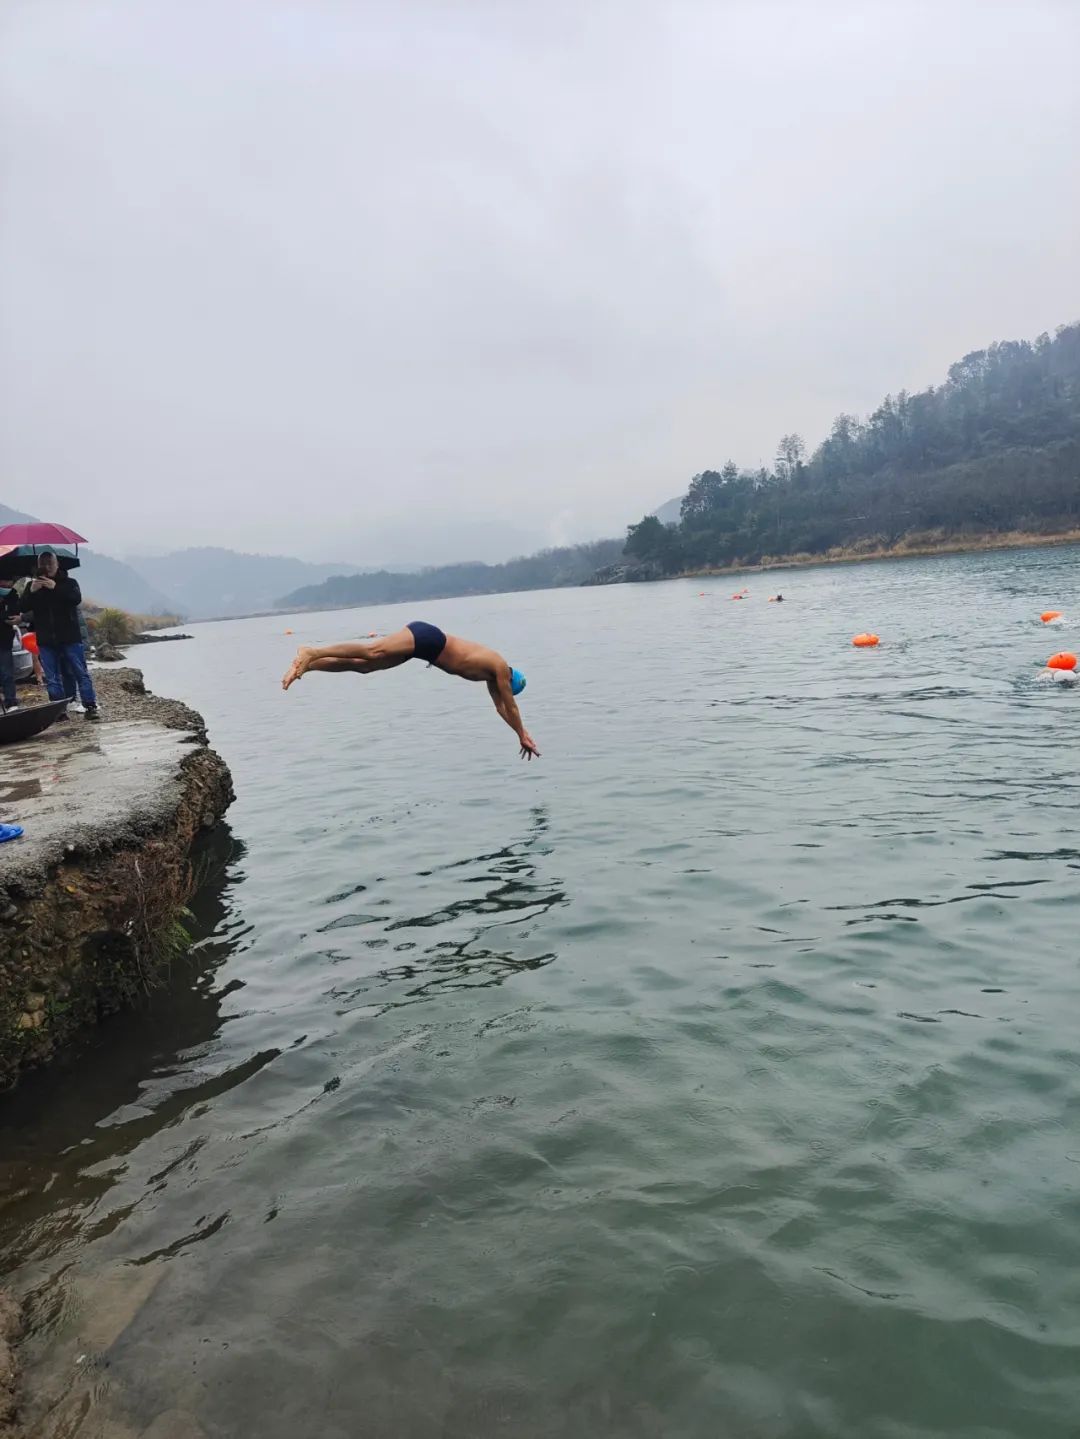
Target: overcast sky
x=400, y=280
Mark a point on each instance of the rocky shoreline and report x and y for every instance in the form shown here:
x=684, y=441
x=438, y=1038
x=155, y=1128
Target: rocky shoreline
x=92, y=897
x=914, y=546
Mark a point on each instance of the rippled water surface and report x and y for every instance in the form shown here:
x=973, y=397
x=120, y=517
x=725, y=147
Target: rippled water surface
x=716, y=1075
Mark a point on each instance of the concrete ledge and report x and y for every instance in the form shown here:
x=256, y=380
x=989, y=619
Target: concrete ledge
x=91, y=895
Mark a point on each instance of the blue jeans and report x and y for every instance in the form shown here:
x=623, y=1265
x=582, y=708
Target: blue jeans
x=7, y=678
x=54, y=660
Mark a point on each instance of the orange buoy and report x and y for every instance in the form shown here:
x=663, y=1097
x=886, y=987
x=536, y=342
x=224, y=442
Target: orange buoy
x=1062, y=661
x=865, y=642
x=1048, y=615
x=288, y=632
x=372, y=634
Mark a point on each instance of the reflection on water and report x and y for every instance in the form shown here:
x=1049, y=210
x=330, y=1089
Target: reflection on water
x=715, y=1075
x=506, y=890
x=91, y=1101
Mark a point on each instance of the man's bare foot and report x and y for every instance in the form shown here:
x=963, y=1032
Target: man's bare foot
x=304, y=655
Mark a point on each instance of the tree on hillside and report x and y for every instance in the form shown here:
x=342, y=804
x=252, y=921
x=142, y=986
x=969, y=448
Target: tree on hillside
x=790, y=454
x=653, y=542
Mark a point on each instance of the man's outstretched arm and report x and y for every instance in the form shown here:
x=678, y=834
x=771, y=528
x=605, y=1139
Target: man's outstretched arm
x=502, y=697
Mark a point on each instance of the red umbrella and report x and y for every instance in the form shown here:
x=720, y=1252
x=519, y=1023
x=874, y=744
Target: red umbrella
x=39, y=532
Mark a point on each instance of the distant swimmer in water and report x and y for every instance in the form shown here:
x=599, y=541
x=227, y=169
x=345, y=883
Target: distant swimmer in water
x=420, y=641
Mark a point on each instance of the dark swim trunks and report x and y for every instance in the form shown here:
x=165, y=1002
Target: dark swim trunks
x=428, y=639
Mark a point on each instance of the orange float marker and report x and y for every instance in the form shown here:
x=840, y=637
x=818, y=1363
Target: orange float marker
x=288, y=632
x=865, y=642
x=1048, y=615
x=1062, y=661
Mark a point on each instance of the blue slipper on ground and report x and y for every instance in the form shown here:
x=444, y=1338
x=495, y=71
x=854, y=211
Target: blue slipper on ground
x=10, y=831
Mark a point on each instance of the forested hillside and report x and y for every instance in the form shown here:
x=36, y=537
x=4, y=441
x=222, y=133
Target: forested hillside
x=994, y=449
x=549, y=569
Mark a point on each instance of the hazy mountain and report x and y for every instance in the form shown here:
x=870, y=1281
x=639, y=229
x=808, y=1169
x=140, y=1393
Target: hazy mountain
x=109, y=581
x=567, y=565
x=212, y=583
x=9, y=516
x=670, y=513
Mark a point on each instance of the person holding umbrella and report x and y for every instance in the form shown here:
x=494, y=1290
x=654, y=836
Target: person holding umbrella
x=53, y=601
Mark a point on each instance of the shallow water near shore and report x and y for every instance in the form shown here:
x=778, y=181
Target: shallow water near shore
x=716, y=1074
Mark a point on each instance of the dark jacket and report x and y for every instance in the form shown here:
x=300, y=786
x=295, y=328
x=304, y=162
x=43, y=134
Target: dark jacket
x=9, y=610
x=56, y=612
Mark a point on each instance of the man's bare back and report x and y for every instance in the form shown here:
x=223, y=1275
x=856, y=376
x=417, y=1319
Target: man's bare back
x=464, y=658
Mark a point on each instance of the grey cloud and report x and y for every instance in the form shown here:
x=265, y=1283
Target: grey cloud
x=354, y=279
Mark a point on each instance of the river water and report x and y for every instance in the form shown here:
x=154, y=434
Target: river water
x=716, y=1075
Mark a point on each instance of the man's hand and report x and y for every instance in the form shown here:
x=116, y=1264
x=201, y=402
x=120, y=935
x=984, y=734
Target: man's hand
x=528, y=745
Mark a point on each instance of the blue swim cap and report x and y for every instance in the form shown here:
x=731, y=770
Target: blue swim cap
x=517, y=681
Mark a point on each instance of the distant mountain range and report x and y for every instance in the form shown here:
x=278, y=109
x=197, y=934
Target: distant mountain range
x=109, y=581
x=548, y=569
x=212, y=583
x=203, y=583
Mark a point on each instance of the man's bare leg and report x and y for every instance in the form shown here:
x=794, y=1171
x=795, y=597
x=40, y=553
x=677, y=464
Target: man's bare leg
x=352, y=657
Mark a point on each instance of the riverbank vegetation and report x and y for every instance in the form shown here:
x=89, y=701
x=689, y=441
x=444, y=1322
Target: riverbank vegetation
x=994, y=451
x=114, y=627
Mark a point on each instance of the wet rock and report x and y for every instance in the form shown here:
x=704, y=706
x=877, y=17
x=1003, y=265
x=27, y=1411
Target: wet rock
x=10, y=1326
x=628, y=572
x=105, y=863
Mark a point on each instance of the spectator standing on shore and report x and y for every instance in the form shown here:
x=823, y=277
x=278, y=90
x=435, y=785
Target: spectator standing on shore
x=53, y=600
x=70, y=687
x=9, y=609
